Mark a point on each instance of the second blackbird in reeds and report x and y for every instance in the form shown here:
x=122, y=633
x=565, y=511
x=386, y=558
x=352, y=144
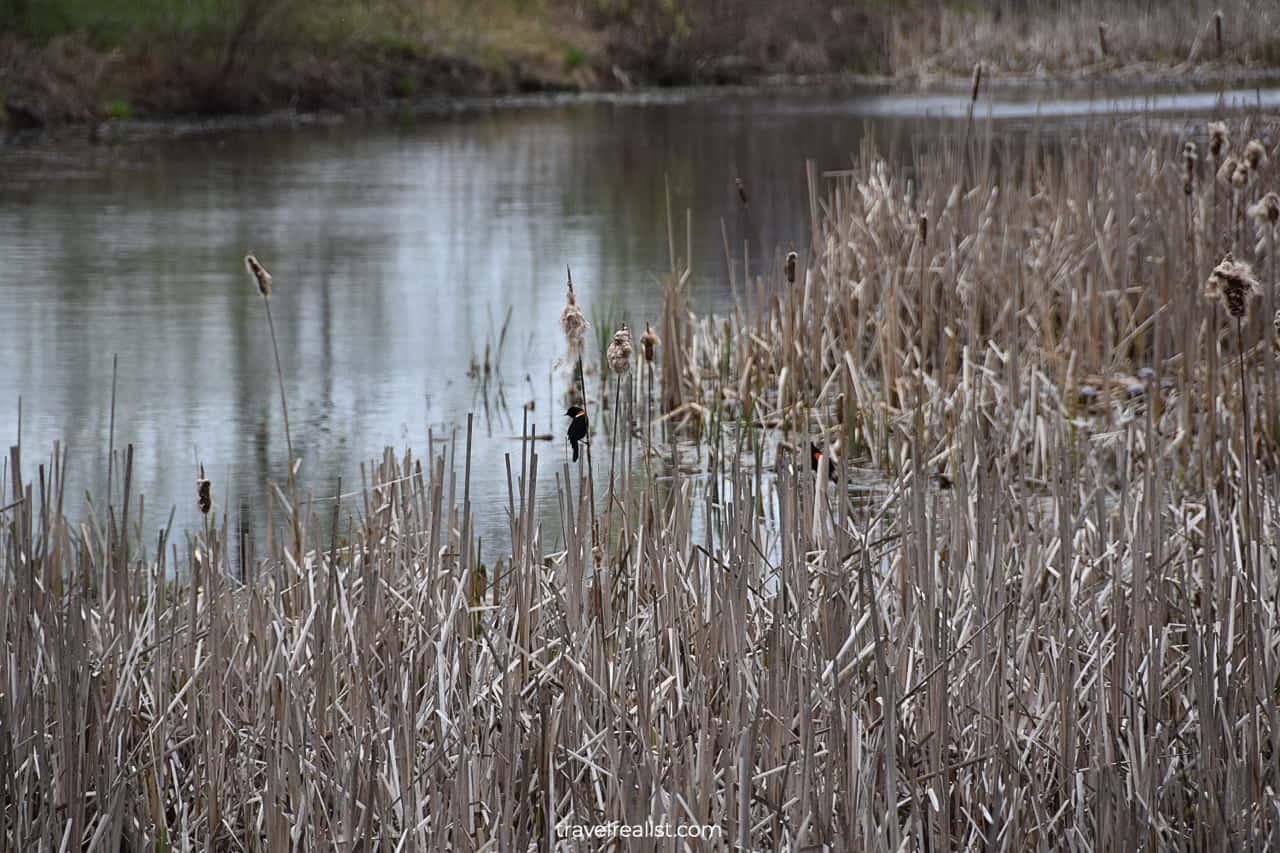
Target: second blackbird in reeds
x=577, y=427
x=815, y=456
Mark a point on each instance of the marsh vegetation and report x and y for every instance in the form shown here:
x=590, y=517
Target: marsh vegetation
x=1052, y=622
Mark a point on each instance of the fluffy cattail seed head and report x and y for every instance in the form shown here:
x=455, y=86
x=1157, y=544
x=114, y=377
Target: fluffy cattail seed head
x=1227, y=170
x=259, y=273
x=1267, y=210
x=1240, y=177
x=573, y=322
x=619, y=352
x=789, y=267
x=1275, y=323
x=649, y=342
x=1233, y=281
x=1255, y=155
x=1219, y=141
x=204, y=494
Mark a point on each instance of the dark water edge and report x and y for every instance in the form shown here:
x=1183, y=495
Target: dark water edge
x=1239, y=89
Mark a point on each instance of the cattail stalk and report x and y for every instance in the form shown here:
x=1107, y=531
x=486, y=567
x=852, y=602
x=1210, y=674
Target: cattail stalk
x=574, y=325
x=1190, y=156
x=263, y=279
x=648, y=345
x=618, y=356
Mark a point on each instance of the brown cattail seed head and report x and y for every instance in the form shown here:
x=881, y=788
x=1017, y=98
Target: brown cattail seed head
x=1267, y=210
x=259, y=273
x=204, y=494
x=977, y=82
x=924, y=228
x=573, y=322
x=789, y=267
x=1219, y=141
x=1255, y=155
x=649, y=342
x=1189, y=157
x=1234, y=282
x=619, y=352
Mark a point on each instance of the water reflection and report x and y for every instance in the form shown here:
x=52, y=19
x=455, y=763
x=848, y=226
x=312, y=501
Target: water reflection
x=397, y=251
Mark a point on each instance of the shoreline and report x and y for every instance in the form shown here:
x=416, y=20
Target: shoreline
x=62, y=64
x=180, y=125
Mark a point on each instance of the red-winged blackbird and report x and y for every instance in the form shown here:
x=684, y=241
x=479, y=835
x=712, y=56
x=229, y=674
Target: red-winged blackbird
x=577, y=428
x=815, y=456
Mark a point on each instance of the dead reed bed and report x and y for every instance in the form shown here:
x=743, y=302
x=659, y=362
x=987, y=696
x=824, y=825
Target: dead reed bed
x=1087, y=39
x=1052, y=626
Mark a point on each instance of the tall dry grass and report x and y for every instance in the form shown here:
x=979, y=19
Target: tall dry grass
x=1037, y=612
x=1090, y=38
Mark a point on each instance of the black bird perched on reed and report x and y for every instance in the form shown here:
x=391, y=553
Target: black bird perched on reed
x=815, y=456
x=577, y=427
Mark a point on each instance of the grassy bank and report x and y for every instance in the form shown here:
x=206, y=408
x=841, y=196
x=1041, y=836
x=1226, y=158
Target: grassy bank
x=1039, y=603
x=75, y=61
x=66, y=60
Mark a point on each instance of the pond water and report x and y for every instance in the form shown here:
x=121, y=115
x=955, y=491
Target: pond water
x=398, y=249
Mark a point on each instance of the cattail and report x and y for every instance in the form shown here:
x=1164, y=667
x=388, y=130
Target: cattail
x=619, y=352
x=573, y=323
x=1275, y=323
x=649, y=341
x=259, y=273
x=1255, y=155
x=1233, y=281
x=1219, y=141
x=1267, y=210
x=789, y=267
x=1240, y=177
x=1189, y=157
x=204, y=493
x=742, y=189
x=924, y=228
x=1227, y=171
x=977, y=83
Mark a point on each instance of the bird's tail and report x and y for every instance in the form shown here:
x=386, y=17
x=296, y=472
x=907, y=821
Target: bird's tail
x=575, y=451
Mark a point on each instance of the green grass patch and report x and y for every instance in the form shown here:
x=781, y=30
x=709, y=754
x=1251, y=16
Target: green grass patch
x=574, y=57
x=118, y=108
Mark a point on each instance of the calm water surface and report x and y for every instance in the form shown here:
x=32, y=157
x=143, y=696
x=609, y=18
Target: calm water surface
x=398, y=251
